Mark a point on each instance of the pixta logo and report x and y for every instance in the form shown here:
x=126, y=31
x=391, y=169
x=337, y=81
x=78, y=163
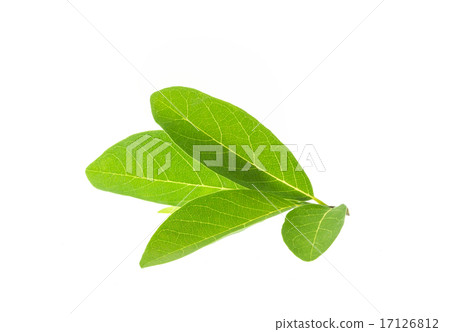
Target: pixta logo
x=141, y=157
x=214, y=156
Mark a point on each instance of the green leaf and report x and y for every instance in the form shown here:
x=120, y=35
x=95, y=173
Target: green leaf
x=207, y=219
x=151, y=167
x=251, y=154
x=310, y=229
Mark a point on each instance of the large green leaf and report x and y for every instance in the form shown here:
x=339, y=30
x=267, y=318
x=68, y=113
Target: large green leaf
x=309, y=230
x=151, y=167
x=207, y=219
x=251, y=155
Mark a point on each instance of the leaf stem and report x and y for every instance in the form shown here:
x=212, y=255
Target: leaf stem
x=347, y=212
x=319, y=201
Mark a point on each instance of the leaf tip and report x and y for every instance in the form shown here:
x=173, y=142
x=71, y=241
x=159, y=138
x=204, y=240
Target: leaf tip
x=143, y=263
x=169, y=209
x=87, y=172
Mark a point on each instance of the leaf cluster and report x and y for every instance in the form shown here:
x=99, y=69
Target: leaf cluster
x=220, y=171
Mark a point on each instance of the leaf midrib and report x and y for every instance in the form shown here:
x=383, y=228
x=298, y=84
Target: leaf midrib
x=313, y=244
x=159, y=180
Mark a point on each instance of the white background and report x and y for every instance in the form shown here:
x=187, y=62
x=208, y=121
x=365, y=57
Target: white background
x=376, y=110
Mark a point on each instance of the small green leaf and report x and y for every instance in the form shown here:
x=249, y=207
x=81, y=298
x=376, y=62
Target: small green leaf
x=240, y=147
x=309, y=230
x=207, y=219
x=169, y=209
x=152, y=167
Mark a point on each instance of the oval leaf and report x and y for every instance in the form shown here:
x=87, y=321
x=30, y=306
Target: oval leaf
x=229, y=141
x=309, y=230
x=152, y=167
x=207, y=219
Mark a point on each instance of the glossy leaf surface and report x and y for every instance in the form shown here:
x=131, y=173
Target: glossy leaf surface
x=150, y=166
x=309, y=230
x=231, y=142
x=208, y=219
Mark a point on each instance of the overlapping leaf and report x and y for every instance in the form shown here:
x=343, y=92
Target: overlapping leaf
x=151, y=167
x=251, y=155
x=207, y=219
x=309, y=230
